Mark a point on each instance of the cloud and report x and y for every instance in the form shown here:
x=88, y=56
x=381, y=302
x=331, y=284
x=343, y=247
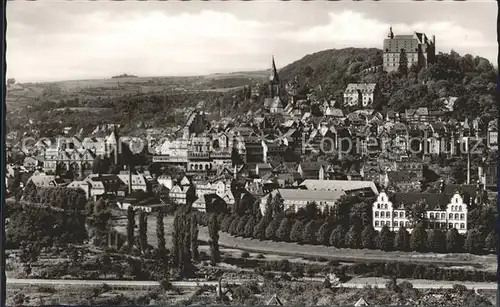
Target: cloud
x=140, y=43
x=349, y=28
x=75, y=40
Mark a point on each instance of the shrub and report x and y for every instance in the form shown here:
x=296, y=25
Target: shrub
x=297, y=231
x=402, y=240
x=333, y=263
x=283, y=232
x=284, y=265
x=418, y=238
x=323, y=236
x=436, y=241
x=245, y=255
x=353, y=237
x=474, y=242
x=259, y=231
x=337, y=237
x=271, y=229
x=321, y=259
x=249, y=228
x=368, y=237
x=260, y=256
x=309, y=234
x=46, y=289
x=165, y=284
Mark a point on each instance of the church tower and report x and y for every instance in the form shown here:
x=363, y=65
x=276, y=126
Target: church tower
x=274, y=81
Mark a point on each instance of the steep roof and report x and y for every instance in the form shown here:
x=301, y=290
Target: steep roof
x=363, y=87
x=310, y=195
x=310, y=166
x=409, y=43
x=402, y=176
x=433, y=199
x=338, y=185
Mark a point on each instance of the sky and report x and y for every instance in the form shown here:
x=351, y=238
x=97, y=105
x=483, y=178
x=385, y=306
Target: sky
x=68, y=40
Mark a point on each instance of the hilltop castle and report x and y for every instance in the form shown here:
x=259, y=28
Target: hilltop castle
x=419, y=50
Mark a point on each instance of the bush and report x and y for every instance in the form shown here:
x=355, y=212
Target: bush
x=333, y=263
x=245, y=255
x=284, y=265
x=166, y=285
x=19, y=298
x=260, y=256
x=46, y=289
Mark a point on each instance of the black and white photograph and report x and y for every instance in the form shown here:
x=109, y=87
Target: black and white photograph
x=250, y=153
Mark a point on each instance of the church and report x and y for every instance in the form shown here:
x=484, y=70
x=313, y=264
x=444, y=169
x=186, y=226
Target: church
x=273, y=103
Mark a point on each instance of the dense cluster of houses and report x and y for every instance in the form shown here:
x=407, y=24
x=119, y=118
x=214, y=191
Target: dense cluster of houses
x=284, y=148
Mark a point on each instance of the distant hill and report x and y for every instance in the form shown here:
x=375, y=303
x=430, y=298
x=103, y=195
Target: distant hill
x=333, y=68
x=123, y=76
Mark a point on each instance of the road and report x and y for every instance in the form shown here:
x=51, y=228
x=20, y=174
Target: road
x=354, y=283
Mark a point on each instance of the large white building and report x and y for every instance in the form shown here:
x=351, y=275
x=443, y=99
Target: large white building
x=360, y=94
x=449, y=211
x=294, y=199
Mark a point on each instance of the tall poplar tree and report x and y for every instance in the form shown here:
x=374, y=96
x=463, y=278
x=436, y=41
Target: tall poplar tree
x=213, y=231
x=130, y=228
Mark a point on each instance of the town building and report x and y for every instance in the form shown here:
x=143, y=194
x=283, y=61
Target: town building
x=346, y=186
x=360, y=94
x=444, y=211
x=419, y=49
x=294, y=199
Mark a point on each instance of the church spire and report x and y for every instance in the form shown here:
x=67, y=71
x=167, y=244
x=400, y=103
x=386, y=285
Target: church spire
x=274, y=73
x=274, y=80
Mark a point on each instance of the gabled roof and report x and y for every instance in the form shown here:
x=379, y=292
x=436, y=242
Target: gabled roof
x=274, y=301
x=310, y=195
x=433, y=199
x=466, y=190
x=363, y=87
x=310, y=166
x=339, y=185
x=402, y=176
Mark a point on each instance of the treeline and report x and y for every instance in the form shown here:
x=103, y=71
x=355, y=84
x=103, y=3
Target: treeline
x=286, y=229
x=58, y=197
x=44, y=227
x=130, y=110
x=349, y=225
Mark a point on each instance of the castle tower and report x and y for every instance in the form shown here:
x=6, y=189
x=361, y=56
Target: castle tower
x=274, y=81
x=391, y=34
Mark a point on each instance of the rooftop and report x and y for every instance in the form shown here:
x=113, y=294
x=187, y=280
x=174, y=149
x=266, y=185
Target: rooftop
x=338, y=185
x=310, y=195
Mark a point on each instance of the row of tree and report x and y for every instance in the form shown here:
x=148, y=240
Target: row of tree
x=59, y=197
x=286, y=229
x=45, y=227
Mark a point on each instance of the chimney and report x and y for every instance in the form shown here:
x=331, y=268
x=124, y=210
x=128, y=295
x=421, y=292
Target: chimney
x=130, y=179
x=441, y=186
x=434, y=40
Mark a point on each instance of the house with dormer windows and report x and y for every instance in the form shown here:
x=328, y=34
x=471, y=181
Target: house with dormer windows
x=445, y=211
